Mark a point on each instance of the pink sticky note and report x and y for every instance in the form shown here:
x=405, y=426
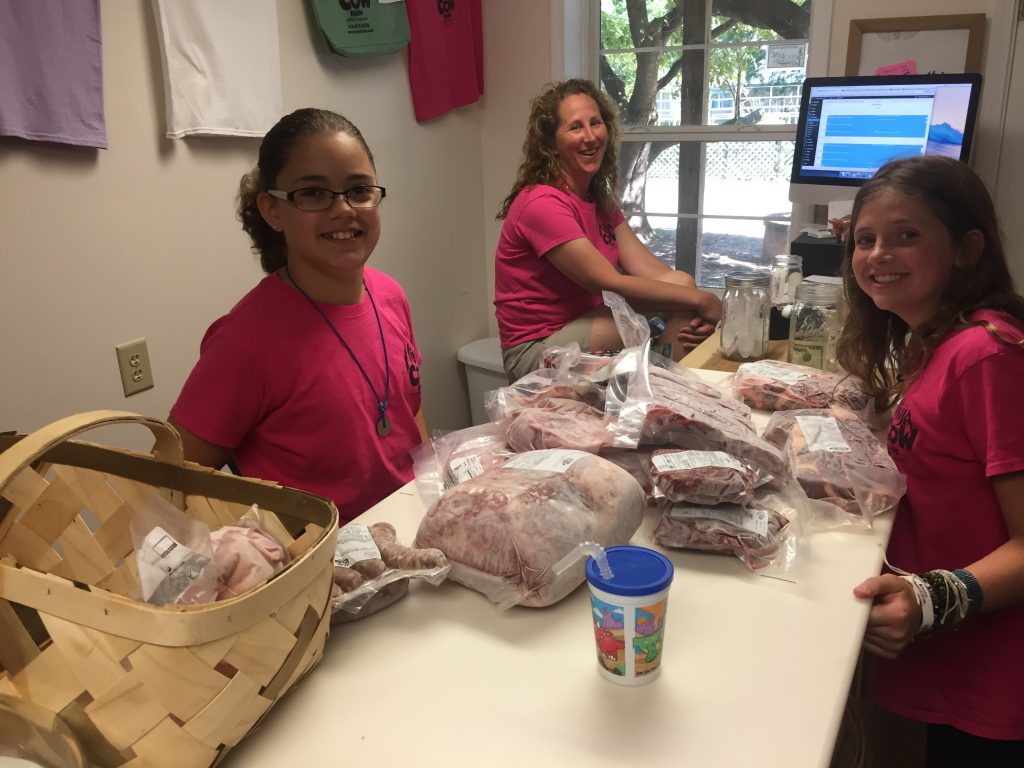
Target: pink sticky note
x=908, y=67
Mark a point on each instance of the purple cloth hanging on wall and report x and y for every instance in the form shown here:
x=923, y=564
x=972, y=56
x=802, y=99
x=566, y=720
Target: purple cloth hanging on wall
x=51, y=71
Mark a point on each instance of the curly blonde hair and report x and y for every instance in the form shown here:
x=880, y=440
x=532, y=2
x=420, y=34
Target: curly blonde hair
x=540, y=164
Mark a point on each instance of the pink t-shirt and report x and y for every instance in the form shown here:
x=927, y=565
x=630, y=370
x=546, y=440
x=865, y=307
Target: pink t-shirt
x=274, y=384
x=532, y=299
x=959, y=425
x=446, y=64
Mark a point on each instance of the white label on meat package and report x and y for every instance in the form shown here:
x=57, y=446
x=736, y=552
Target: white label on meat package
x=354, y=545
x=755, y=520
x=167, y=567
x=461, y=470
x=773, y=372
x=548, y=459
x=666, y=462
x=822, y=433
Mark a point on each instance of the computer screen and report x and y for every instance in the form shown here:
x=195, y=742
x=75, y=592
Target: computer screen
x=849, y=127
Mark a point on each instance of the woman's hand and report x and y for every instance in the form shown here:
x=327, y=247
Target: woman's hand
x=895, y=616
x=695, y=332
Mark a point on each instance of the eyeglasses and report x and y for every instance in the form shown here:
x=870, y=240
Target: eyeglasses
x=320, y=199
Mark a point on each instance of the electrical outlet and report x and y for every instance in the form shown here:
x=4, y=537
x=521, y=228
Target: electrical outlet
x=133, y=362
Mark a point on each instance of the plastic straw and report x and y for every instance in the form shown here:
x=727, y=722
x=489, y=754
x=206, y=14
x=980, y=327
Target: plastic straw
x=585, y=549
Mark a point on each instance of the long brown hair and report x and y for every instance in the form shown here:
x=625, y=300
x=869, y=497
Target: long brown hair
x=540, y=164
x=275, y=151
x=878, y=346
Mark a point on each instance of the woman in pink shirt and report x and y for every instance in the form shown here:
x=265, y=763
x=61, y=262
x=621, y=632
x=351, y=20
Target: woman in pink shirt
x=564, y=241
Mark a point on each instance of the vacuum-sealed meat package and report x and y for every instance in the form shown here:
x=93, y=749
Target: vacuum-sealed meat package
x=701, y=477
x=557, y=423
x=753, y=534
x=835, y=458
x=505, y=530
x=372, y=570
x=773, y=385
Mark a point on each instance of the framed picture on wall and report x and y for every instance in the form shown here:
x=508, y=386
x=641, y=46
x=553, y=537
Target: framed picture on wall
x=916, y=45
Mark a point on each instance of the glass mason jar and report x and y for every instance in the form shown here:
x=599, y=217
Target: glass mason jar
x=787, y=272
x=745, y=316
x=814, y=324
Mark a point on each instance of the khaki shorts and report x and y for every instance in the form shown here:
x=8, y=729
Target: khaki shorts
x=526, y=357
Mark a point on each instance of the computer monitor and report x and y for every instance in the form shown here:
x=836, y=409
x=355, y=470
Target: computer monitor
x=849, y=127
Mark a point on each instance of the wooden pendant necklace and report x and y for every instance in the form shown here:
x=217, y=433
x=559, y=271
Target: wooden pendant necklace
x=383, y=422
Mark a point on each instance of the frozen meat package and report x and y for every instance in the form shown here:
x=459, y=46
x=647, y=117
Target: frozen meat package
x=506, y=529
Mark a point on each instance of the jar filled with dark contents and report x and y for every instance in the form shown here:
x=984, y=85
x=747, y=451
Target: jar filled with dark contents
x=745, y=316
x=815, y=324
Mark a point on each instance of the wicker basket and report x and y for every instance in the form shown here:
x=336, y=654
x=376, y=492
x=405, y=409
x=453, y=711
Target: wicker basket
x=139, y=684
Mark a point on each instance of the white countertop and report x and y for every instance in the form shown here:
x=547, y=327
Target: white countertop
x=755, y=671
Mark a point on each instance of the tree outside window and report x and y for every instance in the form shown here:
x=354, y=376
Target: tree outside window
x=708, y=93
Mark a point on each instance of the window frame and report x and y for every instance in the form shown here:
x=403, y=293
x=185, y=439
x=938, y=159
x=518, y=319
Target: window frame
x=581, y=55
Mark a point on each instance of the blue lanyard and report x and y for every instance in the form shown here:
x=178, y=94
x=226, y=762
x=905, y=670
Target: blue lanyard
x=383, y=424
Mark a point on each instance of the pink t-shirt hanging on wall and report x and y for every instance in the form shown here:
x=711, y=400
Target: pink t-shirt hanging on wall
x=446, y=67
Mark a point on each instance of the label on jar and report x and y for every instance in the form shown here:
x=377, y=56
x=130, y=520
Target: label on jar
x=666, y=462
x=773, y=372
x=755, y=520
x=548, y=459
x=810, y=353
x=822, y=434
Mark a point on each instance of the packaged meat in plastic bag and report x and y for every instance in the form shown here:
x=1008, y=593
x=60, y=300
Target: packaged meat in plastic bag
x=557, y=423
x=753, y=534
x=634, y=462
x=687, y=419
x=540, y=385
x=570, y=358
x=772, y=385
x=454, y=457
x=836, y=458
x=372, y=570
x=701, y=477
x=505, y=530
x=174, y=555
x=246, y=556
x=767, y=535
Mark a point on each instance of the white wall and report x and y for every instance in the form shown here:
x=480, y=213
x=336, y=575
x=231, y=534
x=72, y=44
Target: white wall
x=517, y=65
x=100, y=247
x=1009, y=192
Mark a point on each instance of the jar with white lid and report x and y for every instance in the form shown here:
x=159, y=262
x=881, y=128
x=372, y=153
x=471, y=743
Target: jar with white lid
x=745, y=316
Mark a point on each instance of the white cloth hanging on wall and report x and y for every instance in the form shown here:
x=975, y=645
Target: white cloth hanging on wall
x=222, y=66
x=51, y=71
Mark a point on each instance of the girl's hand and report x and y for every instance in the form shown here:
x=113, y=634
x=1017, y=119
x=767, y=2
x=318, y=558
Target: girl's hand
x=895, y=616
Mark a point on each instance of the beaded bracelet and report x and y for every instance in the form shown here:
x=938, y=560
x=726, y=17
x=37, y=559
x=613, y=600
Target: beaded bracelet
x=975, y=596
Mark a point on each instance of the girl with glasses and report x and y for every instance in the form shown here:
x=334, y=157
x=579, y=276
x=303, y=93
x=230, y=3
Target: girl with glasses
x=313, y=379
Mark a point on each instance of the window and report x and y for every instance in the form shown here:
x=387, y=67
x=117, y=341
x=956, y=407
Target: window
x=708, y=93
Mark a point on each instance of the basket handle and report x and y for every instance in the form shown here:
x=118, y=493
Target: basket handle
x=168, y=448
